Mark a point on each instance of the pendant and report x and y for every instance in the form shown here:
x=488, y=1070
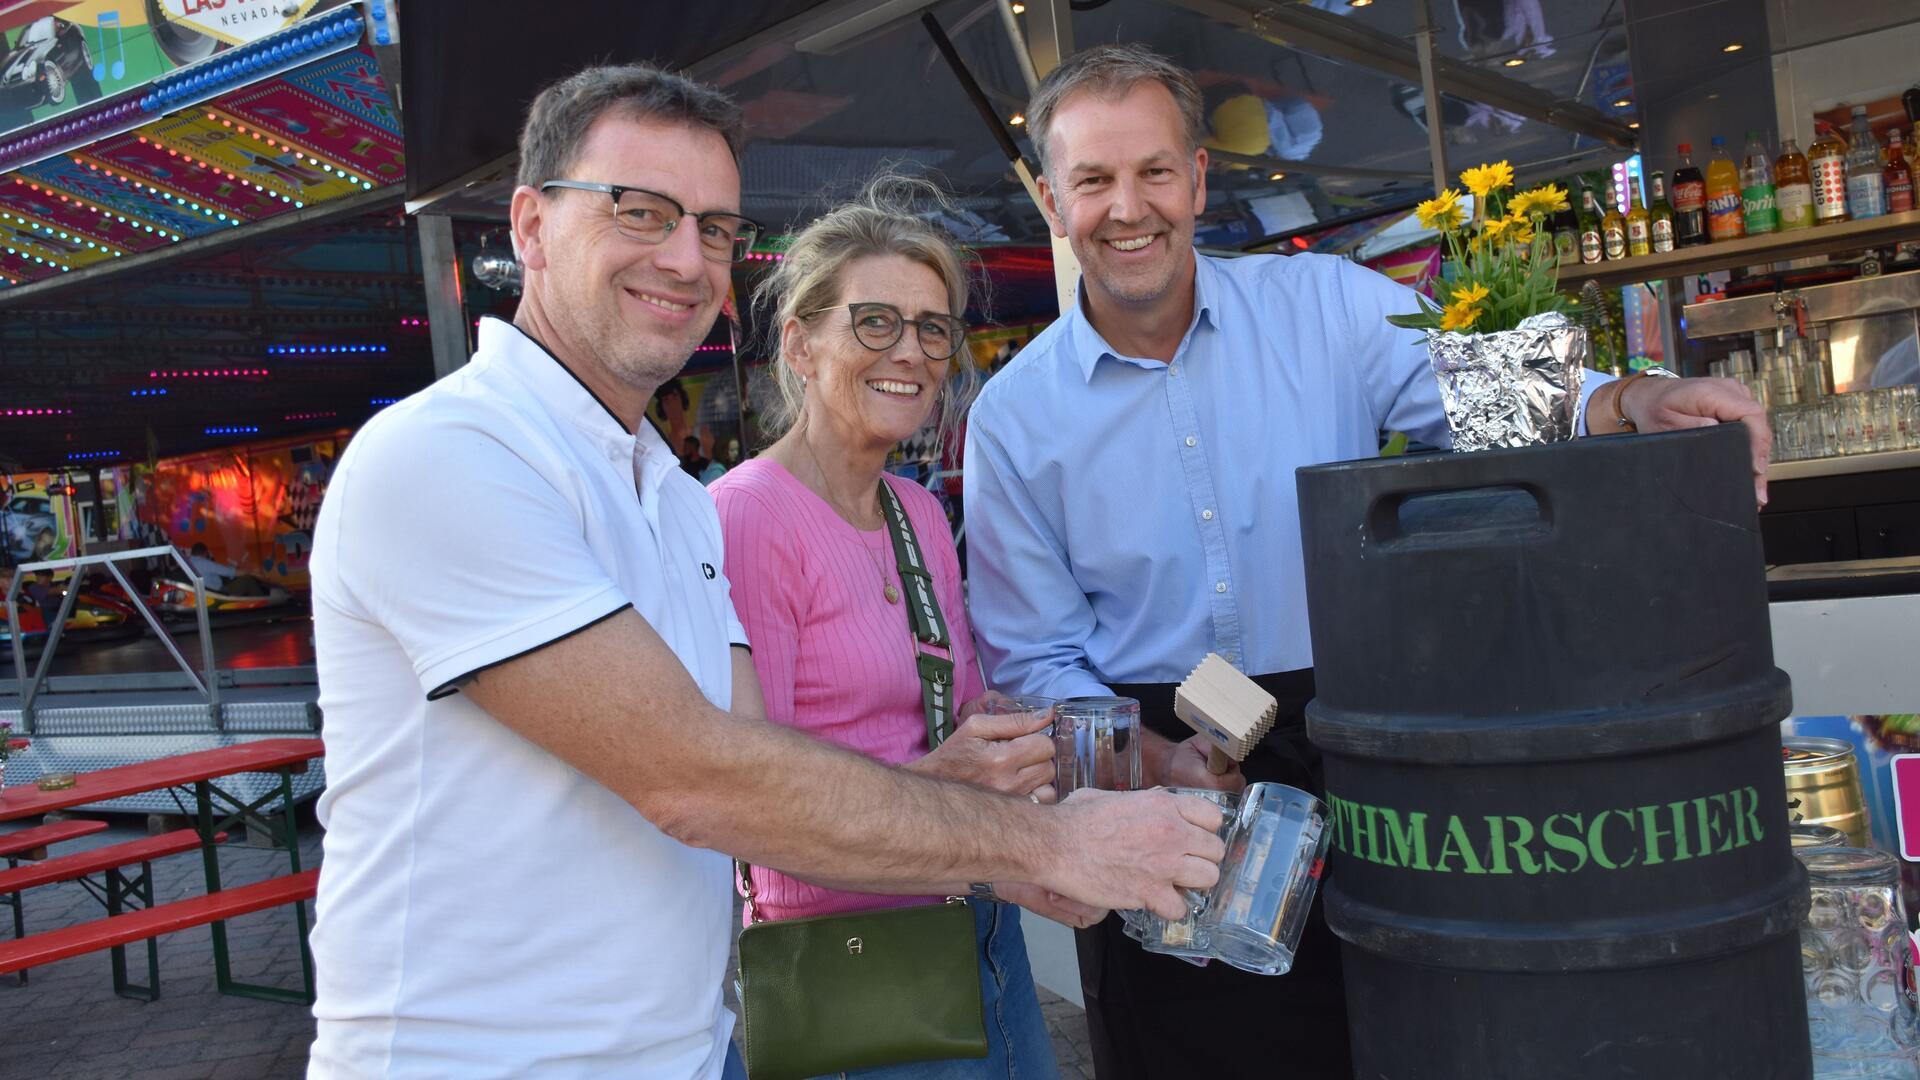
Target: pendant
x=893, y=595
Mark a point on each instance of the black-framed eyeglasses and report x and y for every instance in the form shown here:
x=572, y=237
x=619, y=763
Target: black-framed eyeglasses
x=650, y=217
x=879, y=326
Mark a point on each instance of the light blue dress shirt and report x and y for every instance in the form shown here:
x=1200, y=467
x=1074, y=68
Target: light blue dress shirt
x=1125, y=516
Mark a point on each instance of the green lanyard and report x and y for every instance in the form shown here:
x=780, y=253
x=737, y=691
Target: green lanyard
x=923, y=615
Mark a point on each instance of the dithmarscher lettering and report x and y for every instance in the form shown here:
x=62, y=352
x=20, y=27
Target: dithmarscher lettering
x=1597, y=839
x=1406, y=844
x=1565, y=842
x=1523, y=859
x=1568, y=842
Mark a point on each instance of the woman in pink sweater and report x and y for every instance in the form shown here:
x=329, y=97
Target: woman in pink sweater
x=867, y=305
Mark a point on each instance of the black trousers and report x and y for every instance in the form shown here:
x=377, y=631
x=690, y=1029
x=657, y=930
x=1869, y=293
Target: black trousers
x=1155, y=1017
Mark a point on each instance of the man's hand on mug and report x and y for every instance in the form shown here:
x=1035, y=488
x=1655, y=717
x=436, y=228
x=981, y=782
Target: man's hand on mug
x=1135, y=849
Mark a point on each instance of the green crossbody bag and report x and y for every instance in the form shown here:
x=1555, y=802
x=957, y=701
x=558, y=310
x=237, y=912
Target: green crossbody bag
x=833, y=993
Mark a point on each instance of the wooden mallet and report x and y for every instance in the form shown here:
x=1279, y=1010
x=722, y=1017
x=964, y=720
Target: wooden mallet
x=1228, y=708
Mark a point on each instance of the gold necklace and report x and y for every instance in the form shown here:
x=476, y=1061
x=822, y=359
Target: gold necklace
x=888, y=589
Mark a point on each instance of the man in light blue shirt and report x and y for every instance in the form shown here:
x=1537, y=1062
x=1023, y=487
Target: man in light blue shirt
x=1131, y=506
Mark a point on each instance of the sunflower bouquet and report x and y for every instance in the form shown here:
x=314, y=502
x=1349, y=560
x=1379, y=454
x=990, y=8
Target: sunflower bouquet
x=1499, y=267
x=1507, y=358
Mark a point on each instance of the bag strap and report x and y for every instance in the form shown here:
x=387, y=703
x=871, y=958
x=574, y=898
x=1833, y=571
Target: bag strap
x=929, y=629
x=923, y=615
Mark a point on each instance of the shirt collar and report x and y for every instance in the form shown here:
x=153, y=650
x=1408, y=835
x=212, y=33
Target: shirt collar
x=1090, y=346
x=561, y=392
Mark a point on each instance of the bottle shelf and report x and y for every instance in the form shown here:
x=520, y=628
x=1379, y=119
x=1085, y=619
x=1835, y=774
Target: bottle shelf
x=1881, y=231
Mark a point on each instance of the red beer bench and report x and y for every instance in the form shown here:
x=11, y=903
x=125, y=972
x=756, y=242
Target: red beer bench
x=31, y=844
x=215, y=810
x=113, y=892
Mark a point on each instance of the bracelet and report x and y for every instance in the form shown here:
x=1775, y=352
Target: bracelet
x=1620, y=395
x=983, y=890
x=1619, y=400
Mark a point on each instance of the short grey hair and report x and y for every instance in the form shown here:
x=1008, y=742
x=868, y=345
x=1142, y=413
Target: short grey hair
x=563, y=113
x=887, y=218
x=1110, y=71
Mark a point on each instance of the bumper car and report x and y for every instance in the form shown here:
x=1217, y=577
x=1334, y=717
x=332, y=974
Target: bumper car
x=176, y=599
x=96, y=616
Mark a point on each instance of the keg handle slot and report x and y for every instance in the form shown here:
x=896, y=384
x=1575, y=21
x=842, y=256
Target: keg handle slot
x=1459, y=517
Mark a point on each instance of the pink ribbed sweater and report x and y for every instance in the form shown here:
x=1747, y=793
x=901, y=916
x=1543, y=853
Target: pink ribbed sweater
x=835, y=659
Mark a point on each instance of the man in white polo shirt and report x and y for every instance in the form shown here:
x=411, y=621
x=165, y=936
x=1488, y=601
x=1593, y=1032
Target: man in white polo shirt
x=542, y=721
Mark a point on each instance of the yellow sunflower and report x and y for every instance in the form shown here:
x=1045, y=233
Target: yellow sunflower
x=1459, y=316
x=1469, y=295
x=1485, y=179
x=1496, y=228
x=1442, y=212
x=1522, y=232
x=1538, y=202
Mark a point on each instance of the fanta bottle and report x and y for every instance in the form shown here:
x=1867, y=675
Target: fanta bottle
x=1725, y=216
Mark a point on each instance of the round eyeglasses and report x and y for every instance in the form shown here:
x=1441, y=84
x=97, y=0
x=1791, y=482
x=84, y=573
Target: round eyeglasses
x=879, y=326
x=650, y=217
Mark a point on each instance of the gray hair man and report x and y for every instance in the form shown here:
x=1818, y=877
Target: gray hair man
x=1110, y=555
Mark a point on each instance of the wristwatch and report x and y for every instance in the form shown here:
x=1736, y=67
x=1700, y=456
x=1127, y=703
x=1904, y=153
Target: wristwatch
x=1620, y=414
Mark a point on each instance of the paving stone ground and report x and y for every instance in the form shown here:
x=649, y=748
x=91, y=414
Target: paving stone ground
x=67, y=1024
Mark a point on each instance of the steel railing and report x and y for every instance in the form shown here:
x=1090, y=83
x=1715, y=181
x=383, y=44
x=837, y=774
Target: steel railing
x=205, y=680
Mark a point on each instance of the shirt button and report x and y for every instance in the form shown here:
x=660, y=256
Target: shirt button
x=1219, y=586
x=1191, y=441
x=1206, y=515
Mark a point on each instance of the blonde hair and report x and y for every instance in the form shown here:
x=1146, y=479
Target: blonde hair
x=884, y=219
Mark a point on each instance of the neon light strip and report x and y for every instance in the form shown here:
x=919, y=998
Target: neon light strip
x=211, y=373
x=101, y=210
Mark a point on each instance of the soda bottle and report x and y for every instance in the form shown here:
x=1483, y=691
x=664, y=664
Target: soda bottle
x=1792, y=188
x=1827, y=168
x=1895, y=174
x=1913, y=150
x=1866, y=179
x=1725, y=221
x=1660, y=215
x=1639, y=223
x=1689, y=201
x=1590, y=247
x=1613, y=232
x=1756, y=188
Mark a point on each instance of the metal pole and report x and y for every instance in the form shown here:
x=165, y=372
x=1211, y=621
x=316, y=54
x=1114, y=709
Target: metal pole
x=19, y=653
x=160, y=632
x=1049, y=34
x=58, y=624
x=1430, y=90
x=738, y=337
x=1049, y=41
x=446, y=307
x=206, y=648
x=1011, y=24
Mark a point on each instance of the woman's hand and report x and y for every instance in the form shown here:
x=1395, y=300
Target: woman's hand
x=1049, y=904
x=1008, y=752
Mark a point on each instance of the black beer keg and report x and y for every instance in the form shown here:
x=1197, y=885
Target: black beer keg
x=1549, y=714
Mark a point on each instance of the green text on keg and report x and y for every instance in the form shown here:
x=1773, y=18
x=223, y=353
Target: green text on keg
x=1564, y=843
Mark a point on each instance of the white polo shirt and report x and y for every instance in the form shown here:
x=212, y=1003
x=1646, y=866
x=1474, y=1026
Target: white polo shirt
x=486, y=909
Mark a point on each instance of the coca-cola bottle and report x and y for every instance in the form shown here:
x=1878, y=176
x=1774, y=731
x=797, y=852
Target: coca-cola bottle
x=1689, y=196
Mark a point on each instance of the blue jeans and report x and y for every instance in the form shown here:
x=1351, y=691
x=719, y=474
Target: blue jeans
x=1018, y=1046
